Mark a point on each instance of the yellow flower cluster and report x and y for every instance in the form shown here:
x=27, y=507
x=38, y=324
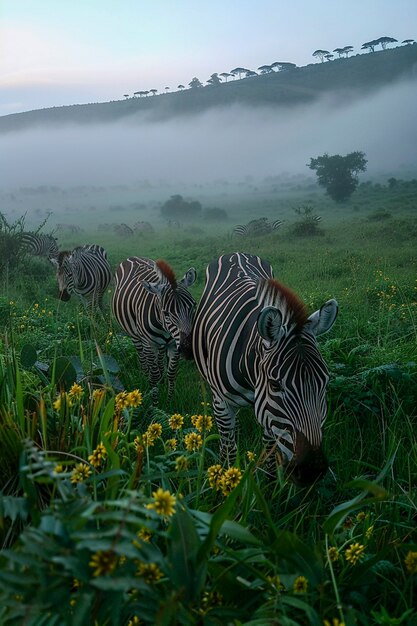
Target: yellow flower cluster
x=135, y=621
x=193, y=441
x=203, y=423
x=333, y=554
x=125, y=400
x=335, y=622
x=224, y=480
x=150, y=572
x=171, y=444
x=98, y=456
x=76, y=391
x=176, y=421
x=410, y=562
x=163, y=503
x=151, y=435
x=103, y=562
x=63, y=400
x=181, y=464
x=300, y=584
x=80, y=473
x=354, y=553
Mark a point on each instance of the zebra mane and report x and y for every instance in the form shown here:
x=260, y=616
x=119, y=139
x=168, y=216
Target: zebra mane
x=62, y=254
x=168, y=272
x=271, y=292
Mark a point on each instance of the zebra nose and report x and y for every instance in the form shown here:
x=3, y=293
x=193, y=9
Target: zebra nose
x=309, y=462
x=186, y=347
x=64, y=295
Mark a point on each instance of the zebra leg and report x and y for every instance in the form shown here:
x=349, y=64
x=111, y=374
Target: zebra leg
x=151, y=355
x=173, y=358
x=225, y=418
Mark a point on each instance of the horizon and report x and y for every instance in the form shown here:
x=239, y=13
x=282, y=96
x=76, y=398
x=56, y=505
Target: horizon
x=120, y=49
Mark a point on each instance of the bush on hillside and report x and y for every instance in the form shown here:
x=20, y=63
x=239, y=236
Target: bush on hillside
x=176, y=208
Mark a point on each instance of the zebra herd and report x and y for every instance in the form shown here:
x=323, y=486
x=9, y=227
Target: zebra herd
x=250, y=337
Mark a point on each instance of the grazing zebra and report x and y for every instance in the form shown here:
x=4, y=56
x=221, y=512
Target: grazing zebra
x=256, y=228
x=68, y=228
x=85, y=272
x=40, y=245
x=157, y=312
x=123, y=230
x=254, y=344
x=143, y=227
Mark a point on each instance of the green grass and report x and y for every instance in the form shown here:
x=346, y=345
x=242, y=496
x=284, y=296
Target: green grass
x=223, y=558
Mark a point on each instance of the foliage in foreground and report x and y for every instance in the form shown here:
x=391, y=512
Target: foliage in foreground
x=122, y=517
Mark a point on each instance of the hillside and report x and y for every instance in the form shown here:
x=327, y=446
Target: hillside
x=340, y=78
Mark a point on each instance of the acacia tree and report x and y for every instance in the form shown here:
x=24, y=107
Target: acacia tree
x=195, y=82
x=339, y=174
x=321, y=54
x=226, y=75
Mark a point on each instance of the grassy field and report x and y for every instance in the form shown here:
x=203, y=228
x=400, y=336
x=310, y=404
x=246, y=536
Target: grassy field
x=113, y=512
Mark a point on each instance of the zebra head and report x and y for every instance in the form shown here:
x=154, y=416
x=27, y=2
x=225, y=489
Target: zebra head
x=63, y=274
x=176, y=304
x=290, y=394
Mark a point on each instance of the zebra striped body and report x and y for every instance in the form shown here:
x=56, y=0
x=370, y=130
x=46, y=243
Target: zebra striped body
x=38, y=244
x=256, y=228
x=157, y=312
x=254, y=344
x=85, y=272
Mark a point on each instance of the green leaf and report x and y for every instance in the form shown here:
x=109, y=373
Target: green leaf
x=28, y=356
x=65, y=374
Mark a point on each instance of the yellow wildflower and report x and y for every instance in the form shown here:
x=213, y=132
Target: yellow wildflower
x=103, y=562
x=204, y=423
x=151, y=435
x=163, y=503
x=80, y=473
x=333, y=554
x=193, y=441
x=98, y=394
x=215, y=475
x=59, y=469
x=360, y=516
x=98, y=456
x=144, y=534
x=76, y=391
x=275, y=582
x=134, y=398
x=62, y=399
x=150, y=572
x=251, y=455
x=181, y=464
x=135, y=621
x=300, y=584
x=171, y=444
x=230, y=479
x=354, y=553
x=121, y=401
x=410, y=562
x=369, y=532
x=176, y=421
x=335, y=622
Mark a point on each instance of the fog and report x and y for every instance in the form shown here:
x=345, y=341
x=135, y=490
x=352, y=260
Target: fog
x=227, y=143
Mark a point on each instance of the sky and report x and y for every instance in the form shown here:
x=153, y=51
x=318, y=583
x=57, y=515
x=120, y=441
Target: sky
x=60, y=52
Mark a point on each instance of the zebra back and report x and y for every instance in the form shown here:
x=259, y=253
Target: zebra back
x=39, y=244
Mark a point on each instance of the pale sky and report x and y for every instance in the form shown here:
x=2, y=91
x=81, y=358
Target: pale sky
x=56, y=52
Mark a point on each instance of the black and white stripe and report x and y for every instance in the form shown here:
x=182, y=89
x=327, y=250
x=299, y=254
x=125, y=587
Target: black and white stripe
x=256, y=228
x=157, y=312
x=85, y=272
x=254, y=344
x=39, y=244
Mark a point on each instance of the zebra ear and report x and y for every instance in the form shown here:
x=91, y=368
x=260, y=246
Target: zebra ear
x=189, y=278
x=270, y=323
x=322, y=320
x=154, y=288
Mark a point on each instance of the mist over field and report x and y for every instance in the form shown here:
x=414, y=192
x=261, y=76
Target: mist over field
x=226, y=143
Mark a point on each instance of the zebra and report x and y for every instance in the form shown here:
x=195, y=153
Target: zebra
x=254, y=344
x=85, y=272
x=157, y=312
x=39, y=244
x=256, y=227
x=123, y=230
x=143, y=227
x=69, y=228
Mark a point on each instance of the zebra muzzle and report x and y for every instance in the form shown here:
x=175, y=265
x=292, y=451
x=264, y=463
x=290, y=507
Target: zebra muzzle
x=186, y=347
x=308, y=464
x=64, y=295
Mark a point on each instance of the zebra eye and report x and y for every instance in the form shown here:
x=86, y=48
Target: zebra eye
x=276, y=386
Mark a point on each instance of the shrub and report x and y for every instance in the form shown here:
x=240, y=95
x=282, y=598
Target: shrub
x=176, y=208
